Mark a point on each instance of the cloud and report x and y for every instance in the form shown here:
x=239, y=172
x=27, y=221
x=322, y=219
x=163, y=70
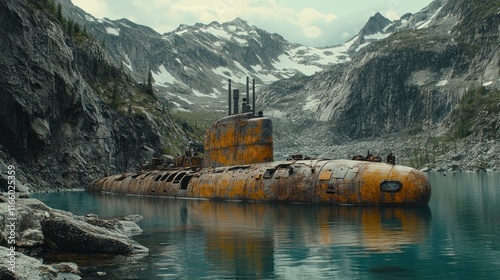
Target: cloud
x=312, y=32
x=99, y=8
x=308, y=20
x=309, y=15
x=392, y=15
x=305, y=22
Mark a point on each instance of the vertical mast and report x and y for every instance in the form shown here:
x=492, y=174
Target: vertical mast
x=229, y=97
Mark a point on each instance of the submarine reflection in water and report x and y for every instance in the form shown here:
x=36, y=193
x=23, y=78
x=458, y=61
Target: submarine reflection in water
x=255, y=237
x=238, y=164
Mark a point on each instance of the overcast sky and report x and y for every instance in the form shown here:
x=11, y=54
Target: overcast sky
x=317, y=23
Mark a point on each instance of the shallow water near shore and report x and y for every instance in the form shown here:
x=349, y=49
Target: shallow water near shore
x=456, y=237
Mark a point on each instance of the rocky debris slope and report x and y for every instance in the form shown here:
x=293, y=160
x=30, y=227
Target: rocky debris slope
x=427, y=154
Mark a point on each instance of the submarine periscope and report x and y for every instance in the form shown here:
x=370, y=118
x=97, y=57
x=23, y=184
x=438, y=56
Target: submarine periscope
x=238, y=164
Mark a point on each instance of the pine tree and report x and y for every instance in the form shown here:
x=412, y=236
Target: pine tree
x=51, y=5
x=149, y=88
x=76, y=28
x=70, y=27
x=59, y=13
x=114, y=97
x=95, y=69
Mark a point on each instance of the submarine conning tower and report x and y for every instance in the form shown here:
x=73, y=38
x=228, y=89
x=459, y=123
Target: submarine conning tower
x=239, y=138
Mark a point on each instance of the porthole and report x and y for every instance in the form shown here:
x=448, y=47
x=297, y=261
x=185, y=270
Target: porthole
x=391, y=186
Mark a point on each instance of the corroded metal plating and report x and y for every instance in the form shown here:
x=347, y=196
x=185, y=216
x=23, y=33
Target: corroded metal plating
x=304, y=181
x=239, y=139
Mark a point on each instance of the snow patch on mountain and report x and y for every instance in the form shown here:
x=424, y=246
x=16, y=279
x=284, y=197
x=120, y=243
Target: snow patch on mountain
x=377, y=36
x=312, y=104
x=127, y=63
x=426, y=23
x=162, y=77
x=113, y=31
x=442, y=83
x=185, y=100
x=288, y=64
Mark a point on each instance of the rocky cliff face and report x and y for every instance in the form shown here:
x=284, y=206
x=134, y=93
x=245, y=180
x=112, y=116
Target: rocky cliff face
x=56, y=128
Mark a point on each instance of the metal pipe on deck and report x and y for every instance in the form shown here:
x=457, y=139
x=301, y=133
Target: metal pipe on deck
x=229, y=97
x=248, y=91
x=253, y=96
x=236, y=97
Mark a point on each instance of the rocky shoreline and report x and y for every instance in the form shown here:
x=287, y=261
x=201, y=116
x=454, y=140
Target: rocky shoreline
x=28, y=224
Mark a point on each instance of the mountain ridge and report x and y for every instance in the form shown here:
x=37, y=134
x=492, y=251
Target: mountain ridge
x=226, y=52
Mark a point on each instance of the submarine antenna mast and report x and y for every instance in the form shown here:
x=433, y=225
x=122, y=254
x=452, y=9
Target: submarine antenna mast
x=229, y=97
x=248, y=91
x=253, y=96
x=236, y=97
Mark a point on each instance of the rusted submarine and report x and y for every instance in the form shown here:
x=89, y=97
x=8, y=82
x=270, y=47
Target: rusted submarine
x=238, y=164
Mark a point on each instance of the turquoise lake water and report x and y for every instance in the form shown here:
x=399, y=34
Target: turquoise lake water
x=456, y=237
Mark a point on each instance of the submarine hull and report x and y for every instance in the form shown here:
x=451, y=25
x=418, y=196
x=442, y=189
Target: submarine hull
x=238, y=164
x=336, y=182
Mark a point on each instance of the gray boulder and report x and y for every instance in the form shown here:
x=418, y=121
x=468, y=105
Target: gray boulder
x=37, y=225
x=79, y=236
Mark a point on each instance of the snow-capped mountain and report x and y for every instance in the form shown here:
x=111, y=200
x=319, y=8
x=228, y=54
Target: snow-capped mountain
x=191, y=64
x=204, y=57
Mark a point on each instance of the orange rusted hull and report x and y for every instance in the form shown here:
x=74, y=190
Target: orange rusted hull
x=301, y=181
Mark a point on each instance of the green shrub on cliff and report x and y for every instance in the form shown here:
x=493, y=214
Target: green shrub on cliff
x=477, y=114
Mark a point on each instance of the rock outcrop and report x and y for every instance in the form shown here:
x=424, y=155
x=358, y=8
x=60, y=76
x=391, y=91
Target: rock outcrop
x=37, y=225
